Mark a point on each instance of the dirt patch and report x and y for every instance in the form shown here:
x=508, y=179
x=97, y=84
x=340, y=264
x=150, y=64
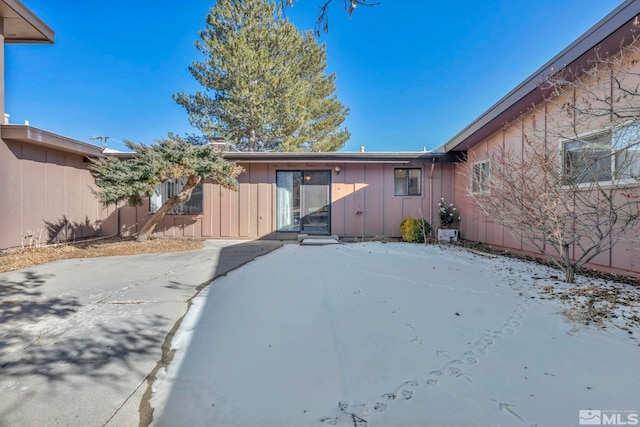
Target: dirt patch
x=25, y=257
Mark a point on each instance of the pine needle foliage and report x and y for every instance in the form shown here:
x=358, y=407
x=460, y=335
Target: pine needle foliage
x=264, y=82
x=135, y=179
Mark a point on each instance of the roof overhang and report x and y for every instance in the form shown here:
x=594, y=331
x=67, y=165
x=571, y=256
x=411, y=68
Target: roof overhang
x=23, y=26
x=607, y=35
x=39, y=137
x=340, y=157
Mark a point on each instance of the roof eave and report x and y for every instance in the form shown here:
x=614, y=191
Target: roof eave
x=39, y=137
x=607, y=34
x=337, y=157
x=45, y=35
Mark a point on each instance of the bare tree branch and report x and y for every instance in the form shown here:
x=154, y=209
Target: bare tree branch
x=322, y=23
x=569, y=186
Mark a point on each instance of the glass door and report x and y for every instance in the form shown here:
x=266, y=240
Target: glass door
x=303, y=201
x=314, y=200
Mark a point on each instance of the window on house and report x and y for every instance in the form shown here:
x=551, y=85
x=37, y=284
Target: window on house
x=406, y=182
x=588, y=159
x=603, y=156
x=480, y=176
x=168, y=189
x=627, y=149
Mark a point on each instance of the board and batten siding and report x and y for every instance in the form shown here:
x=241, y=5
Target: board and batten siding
x=44, y=189
x=363, y=203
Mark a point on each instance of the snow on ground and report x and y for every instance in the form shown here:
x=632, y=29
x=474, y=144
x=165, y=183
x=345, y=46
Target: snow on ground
x=392, y=334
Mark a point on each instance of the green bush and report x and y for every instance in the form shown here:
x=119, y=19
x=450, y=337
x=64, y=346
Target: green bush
x=414, y=230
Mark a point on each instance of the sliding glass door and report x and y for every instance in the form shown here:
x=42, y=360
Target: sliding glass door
x=303, y=201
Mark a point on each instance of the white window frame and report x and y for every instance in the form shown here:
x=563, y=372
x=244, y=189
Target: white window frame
x=480, y=177
x=615, y=150
x=166, y=190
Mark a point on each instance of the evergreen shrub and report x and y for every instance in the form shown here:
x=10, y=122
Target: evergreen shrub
x=414, y=230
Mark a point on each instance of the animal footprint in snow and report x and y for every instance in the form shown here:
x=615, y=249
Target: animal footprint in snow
x=442, y=353
x=508, y=330
x=412, y=383
x=455, y=362
x=343, y=406
x=359, y=422
x=481, y=347
x=455, y=371
x=432, y=382
x=410, y=326
x=330, y=421
x=380, y=407
x=437, y=373
x=458, y=373
x=407, y=394
x=417, y=340
x=389, y=396
x=396, y=311
x=361, y=410
x=471, y=360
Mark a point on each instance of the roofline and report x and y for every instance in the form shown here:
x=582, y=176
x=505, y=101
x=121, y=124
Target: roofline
x=339, y=156
x=32, y=19
x=35, y=136
x=611, y=28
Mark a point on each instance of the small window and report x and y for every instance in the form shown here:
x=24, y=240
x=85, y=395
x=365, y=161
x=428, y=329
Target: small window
x=588, y=159
x=168, y=189
x=480, y=173
x=627, y=145
x=406, y=182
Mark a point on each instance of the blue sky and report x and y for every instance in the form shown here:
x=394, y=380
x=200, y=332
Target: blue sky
x=413, y=73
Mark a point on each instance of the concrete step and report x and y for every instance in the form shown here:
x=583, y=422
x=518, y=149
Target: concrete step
x=317, y=239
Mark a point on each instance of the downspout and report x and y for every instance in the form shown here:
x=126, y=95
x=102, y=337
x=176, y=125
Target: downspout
x=433, y=163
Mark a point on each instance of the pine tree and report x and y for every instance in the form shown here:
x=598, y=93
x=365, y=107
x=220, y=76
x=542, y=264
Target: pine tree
x=265, y=86
x=136, y=178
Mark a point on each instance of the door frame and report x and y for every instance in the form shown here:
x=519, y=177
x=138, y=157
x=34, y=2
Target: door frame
x=329, y=202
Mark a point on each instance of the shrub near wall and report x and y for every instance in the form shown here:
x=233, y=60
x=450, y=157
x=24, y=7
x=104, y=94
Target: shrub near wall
x=414, y=230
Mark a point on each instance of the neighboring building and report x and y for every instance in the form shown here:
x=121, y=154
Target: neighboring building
x=45, y=189
x=507, y=122
x=47, y=186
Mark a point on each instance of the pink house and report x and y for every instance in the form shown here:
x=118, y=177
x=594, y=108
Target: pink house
x=509, y=121
x=47, y=186
x=283, y=194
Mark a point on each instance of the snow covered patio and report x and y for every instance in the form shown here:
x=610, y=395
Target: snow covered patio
x=393, y=334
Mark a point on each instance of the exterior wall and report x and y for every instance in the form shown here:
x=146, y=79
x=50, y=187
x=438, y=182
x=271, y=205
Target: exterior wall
x=43, y=191
x=362, y=202
x=623, y=257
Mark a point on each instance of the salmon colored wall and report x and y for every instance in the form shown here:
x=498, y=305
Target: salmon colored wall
x=362, y=202
x=625, y=255
x=41, y=188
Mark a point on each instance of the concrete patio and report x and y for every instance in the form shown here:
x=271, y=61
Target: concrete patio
x=81, y=339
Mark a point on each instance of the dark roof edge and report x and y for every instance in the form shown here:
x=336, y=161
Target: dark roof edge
x=620, y=16
x=343, y=157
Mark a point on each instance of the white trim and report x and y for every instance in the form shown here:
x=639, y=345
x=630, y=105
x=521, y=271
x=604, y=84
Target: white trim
x=482, y=186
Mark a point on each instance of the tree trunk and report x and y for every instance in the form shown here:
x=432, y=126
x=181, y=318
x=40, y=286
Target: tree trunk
x=569, y=268
x=183, y=196
x=570, y=273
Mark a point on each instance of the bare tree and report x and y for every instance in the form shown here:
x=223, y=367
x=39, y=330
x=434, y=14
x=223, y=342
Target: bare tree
x=568, y=182
x=322, y=23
